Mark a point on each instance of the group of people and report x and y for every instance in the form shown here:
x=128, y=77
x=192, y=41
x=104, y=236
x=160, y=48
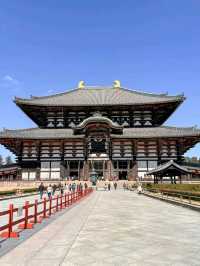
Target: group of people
x=60, y=188
x=107, y=186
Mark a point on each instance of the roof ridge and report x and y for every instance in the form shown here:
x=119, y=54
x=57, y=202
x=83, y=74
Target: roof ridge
x=185, y=128
x=164, y=95
x=96, y=87
x=46, y=96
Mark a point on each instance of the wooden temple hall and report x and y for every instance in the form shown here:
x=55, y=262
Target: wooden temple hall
x=112, y=132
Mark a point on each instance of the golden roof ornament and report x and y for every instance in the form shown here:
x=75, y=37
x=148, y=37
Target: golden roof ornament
x=116, y=84
x=81, y=84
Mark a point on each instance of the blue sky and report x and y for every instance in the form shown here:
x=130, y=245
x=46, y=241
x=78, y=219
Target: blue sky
x=48, y=46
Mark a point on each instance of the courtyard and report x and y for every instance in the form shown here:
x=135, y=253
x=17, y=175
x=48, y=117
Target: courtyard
x=114, y=228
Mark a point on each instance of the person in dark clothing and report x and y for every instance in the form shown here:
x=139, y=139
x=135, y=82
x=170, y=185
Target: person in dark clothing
x=54, y=189
x=41, y=189
x=73, y=187
x=115, y=185
x=61, y=189
x=109, y=186
x=85, y=186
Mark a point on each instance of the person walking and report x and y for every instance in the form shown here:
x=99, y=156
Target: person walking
x=54, y=189
x=124, y=186
x=109, y=186
x=61, y=190
x=115, y=185
x=73, y=187
x=85, y=185
x=41, y=189
x=49, y=191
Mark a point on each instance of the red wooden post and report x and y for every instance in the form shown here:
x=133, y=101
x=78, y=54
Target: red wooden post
x=35, y=211
x=45, y=208
x=68, y=199
x=57, y=203
x=61, y=202
x=26, y=225
x=50, y=205
x=10, y=233
x=10, y=220
x=65, y=200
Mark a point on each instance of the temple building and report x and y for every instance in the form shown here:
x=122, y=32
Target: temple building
x=113, y=132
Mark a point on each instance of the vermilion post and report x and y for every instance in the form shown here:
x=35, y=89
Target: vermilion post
x=61, y=202
x=10, y=219
x=57, y=203
x=68, y=199
x=44, y=208
x=65, y=200
x=26, y=225
x=35, y=211
x=26, y=214
x=50, y=205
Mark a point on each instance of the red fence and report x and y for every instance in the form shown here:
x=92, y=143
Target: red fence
x=49, y=207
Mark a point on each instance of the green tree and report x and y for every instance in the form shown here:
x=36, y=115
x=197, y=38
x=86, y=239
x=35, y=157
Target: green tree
x=194, y=159
x=8, y=160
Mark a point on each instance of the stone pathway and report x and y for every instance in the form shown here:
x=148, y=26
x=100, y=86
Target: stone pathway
x=116, y=228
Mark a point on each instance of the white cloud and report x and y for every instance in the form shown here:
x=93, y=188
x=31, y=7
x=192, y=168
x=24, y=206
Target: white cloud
x=50, y=91
x=11, y=84
x=10, y=79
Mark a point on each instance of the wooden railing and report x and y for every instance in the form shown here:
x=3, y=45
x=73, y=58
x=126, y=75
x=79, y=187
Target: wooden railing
x=35, y=212
x=181, y=197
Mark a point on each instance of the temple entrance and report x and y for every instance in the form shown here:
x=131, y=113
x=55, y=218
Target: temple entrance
x=97, y=169
x=123, y=175
x=74, y=175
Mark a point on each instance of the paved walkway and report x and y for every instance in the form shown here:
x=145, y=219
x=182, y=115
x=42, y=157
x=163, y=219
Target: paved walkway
x=115, y=228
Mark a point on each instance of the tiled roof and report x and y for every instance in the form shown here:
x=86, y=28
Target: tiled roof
x=38, y=133
x=162, y=131
x=169, y=165
x=154, y=132
x=98, y=96
x=98, y=118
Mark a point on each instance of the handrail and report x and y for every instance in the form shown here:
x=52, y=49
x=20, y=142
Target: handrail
x=182, y=197
x=49, y=207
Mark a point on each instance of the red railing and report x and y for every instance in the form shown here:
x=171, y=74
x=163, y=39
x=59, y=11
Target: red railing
x=49, y=207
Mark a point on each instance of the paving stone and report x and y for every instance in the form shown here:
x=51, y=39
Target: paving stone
x=118, y=228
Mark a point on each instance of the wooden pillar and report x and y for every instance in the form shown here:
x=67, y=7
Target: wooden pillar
x=174, y=179
x=79, y=170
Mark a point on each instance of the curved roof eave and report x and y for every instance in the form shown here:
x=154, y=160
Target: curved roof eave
x=99, y=96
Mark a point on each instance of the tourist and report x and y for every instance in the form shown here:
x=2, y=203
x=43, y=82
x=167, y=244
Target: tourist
x=81, y=188
x=66, y=187
x=85, y=185
x=61, y=189
x=109, y=186
x=70, y=187
x=115, y=185
x=54, y=189
x=41, y=189
x=124, y=186
x=49, y=191
x=73, y=187
x=105, y=186
x=139, y=189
